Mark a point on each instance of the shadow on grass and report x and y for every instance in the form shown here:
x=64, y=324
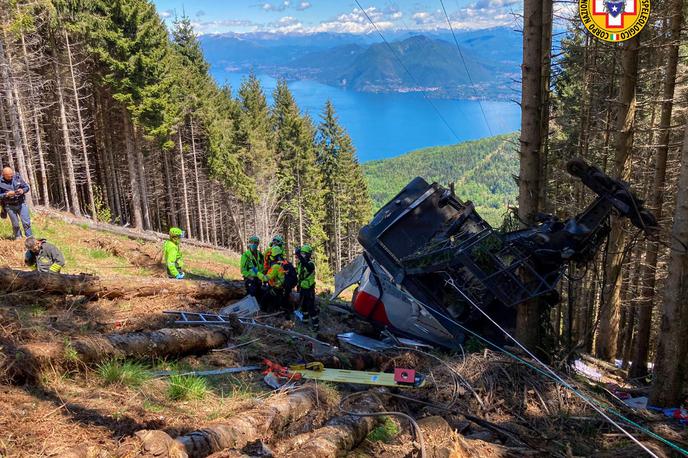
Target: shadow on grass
x=120, y=426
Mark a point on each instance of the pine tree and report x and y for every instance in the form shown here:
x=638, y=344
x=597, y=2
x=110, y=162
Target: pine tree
x=255, y=141
x=347, y=204
x=299, y=177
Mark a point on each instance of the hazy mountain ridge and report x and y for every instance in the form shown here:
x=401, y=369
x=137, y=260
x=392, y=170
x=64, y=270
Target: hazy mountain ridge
x=364, y=63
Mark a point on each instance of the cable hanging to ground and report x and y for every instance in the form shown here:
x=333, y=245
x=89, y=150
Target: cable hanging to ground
x=465, y=66
x=556, y=377
x=398, y=59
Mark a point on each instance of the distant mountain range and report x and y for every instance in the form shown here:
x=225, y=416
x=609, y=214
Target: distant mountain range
x=364, y=63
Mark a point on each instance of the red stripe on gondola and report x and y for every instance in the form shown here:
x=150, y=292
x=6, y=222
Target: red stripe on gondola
x=370, y=307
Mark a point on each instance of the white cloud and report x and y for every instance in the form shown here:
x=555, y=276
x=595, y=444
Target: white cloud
x=166, y=14
x=279, y=6
x=423, y=17
x=356, y=22
x=477, y=15
x=286, y=24
x=223, y=25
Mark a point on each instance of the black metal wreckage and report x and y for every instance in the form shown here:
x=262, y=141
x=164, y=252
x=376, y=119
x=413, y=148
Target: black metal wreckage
x=430, y=261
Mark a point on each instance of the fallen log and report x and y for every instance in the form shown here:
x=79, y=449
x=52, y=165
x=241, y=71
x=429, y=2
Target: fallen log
x=31, y=358
x=116, y=287
x=338, y=436
x=239, y=430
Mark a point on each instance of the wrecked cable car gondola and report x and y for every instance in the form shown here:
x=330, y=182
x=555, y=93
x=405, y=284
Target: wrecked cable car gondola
x=430, y=260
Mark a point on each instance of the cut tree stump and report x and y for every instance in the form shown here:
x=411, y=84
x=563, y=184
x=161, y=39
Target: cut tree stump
x=31, y=358
x=116, y=287
x=237, y=431
x=338, y=436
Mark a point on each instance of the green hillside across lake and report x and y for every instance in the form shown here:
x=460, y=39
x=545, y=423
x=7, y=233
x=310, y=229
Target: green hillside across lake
x=483, y=171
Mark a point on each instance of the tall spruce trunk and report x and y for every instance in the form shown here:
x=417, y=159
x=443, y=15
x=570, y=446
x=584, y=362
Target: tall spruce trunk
x=8, y=143
x=611, y=306
x=642, y=340
x=671, y=363
x=136, y=215
x=545, y=72
x=5, y=72
x=187, y=220
x=67, y=141
x=82, y=134
x=37, y=129
x=171, y=206
x=143, y=182
x=201, y=225
x=103, y=168
x=529, y=179
x=31, y=170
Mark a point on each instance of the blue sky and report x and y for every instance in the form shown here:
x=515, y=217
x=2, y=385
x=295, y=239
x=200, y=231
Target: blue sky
x=308, y=16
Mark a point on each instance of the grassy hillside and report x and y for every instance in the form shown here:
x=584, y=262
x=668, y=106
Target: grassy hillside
x=483, y=171
x=102, y=253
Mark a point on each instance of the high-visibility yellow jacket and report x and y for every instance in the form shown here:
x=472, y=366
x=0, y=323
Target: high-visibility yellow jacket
x=172, y=257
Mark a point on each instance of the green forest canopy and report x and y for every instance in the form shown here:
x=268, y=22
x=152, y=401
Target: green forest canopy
x=483, y=171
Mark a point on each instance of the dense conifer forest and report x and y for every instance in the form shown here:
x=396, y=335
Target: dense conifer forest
x=107, y=114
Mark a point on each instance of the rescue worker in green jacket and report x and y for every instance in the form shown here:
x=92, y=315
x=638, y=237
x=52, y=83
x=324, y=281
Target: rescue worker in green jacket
x=43, y=256
x=305, y=272
x=252, y=268
x=172, y=254
x=277, y=240
x=275, y=277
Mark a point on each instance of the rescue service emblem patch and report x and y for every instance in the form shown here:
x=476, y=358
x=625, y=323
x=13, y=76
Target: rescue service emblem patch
x=614, y=20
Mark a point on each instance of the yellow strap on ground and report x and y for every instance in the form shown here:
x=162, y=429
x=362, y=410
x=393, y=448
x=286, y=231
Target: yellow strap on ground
x=360, y=377
x=315, y=366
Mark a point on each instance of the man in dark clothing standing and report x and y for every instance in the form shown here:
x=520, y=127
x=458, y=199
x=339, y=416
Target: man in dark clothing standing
x=12, y=198
x=43, y=256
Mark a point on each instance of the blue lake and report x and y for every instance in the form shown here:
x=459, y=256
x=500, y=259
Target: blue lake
x=387, y=125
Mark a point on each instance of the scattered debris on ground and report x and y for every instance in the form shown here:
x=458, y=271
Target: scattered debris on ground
x=91, y=375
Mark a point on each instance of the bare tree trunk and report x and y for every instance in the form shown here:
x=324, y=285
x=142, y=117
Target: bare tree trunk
x=187, y=220
x=137, y=217
x=143, y=182
x=529, y=180
x=8, y=143
x=611, y=309
x=37, y=130
x=82, y=134
x=642, y=340
x=5, y=72
x=198, y=183
x=214, y=217
x=114, y=177
x=172, y=210
x=670, y=359
x=71, y=176
x=546, y=60
x=104, y=171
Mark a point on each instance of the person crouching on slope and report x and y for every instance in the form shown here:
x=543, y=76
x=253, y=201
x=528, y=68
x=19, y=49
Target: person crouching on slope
x=305, y=272
x=172, y=254
x=252, y=268
x=43, y=256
